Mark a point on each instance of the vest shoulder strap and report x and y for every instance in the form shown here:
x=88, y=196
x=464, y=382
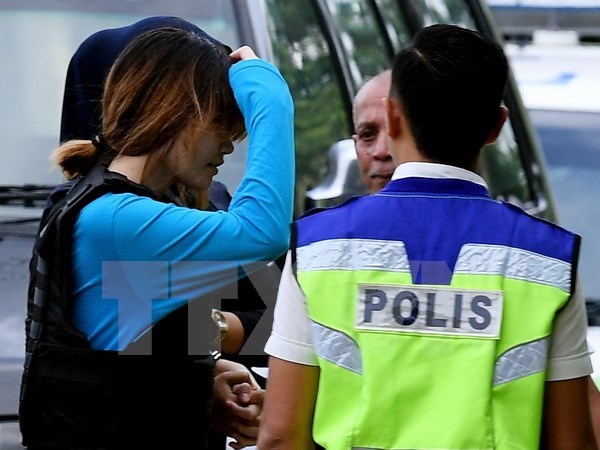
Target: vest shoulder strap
x=51, y=262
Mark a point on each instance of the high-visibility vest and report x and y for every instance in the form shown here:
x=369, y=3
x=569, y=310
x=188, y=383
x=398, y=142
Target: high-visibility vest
x=431, y=308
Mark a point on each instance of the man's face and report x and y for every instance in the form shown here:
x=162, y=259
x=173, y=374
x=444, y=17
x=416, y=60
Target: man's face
x=374, y=158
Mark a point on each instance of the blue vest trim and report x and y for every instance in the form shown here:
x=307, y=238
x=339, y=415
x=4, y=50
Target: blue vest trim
x=436, y=221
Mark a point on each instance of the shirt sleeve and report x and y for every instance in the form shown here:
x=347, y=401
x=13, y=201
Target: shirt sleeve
x=257, y=225
x=569, y=355
x=290, y=339
x=188, y=253
x=267, y=188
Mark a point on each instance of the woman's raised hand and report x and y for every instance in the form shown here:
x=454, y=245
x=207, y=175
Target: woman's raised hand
x=244, y=52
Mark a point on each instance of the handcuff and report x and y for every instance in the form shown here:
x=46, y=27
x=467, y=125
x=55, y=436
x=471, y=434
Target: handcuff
x=221, y=323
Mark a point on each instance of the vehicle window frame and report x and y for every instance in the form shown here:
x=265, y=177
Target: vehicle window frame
x=524, y=133
x=359, y=75
x=532, y=193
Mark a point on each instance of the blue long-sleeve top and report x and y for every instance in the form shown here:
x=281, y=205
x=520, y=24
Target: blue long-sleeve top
x=135, y=259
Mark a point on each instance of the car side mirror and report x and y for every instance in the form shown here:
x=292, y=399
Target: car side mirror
x=342, y=179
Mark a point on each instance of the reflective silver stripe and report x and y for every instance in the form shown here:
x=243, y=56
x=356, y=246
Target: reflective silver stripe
x=35, y=330
x=38, y=297
x=42, y=266
x=336, y=347
x=377, y=448
x=521, y=361
x=514, y=263
x=353, y=254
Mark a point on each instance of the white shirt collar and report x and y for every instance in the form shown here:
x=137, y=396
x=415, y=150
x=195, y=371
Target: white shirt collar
x=435, y=170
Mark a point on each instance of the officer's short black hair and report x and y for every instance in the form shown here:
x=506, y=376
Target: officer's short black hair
x=450, y=83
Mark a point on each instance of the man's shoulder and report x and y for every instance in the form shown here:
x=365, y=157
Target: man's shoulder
x=536, y=220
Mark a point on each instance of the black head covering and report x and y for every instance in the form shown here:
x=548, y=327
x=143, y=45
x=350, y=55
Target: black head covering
x=90, y=65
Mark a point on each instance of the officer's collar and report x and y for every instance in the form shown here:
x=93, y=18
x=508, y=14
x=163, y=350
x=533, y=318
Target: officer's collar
x=435, y=170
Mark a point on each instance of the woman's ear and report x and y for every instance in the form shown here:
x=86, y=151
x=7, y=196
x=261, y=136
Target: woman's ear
x=393, y=117
x=502, y=116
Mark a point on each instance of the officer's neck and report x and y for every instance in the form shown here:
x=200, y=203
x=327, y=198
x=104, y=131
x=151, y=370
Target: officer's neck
x=410, y=153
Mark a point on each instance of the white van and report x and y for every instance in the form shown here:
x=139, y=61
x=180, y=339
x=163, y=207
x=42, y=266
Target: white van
x=559, y=81
x=520, y=19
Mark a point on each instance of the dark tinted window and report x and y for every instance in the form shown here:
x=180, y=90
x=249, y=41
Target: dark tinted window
x=361, y=38
x=502, y=167
x=305, y=60
x=394, y=16
x=449, y=11
x=501, y=163
x=363, y=41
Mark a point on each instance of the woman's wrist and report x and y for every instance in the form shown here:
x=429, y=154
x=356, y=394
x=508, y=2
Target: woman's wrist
x=234, y=339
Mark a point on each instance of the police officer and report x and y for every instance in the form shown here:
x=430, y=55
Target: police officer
x=431, y=315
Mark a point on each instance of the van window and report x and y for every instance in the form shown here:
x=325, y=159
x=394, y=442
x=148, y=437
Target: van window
x=395, y=22
x=501, y=164
x=502, y=167
x=304, y=58
x=361, y=37
x=449, y=11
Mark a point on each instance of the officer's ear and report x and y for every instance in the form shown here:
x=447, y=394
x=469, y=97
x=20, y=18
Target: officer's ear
x=393, y=117
x=502, y=116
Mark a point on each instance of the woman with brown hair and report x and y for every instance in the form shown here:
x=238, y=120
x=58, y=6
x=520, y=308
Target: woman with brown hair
x=116, y=343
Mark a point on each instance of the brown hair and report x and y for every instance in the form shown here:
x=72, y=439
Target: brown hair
x=165, y=82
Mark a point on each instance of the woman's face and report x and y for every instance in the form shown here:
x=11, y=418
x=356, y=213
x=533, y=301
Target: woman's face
x=196, y=159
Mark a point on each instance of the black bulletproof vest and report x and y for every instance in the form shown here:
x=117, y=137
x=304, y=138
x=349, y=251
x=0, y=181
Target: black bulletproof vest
x=152, y=394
